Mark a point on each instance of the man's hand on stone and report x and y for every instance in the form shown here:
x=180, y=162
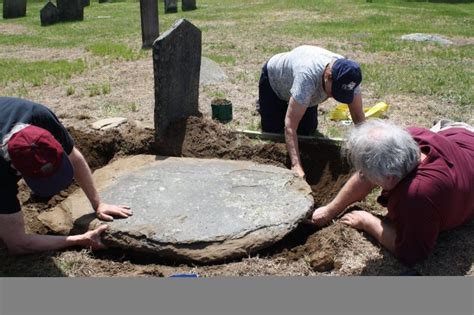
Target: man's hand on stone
x=108, y=212
x=321, y=216
x=298, y=170
x=92, y=239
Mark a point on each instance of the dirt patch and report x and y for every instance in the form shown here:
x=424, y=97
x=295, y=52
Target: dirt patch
x=14, y=29
x=36, y=53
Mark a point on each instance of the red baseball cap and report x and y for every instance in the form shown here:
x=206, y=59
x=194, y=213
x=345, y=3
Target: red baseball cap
x=41, y=160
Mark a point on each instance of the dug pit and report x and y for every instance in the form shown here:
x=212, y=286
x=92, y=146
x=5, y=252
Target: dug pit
x=204, y=139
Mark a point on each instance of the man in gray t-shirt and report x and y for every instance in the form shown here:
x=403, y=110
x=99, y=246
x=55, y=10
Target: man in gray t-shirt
x=291, y=86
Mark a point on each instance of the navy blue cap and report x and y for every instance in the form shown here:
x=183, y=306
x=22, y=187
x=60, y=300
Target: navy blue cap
x=346, y=76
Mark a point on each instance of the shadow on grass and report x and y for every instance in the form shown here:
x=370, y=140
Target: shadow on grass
x=453, y=255
x=33, y=265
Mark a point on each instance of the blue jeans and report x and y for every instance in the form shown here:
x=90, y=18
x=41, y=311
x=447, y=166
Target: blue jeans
x=273, y=110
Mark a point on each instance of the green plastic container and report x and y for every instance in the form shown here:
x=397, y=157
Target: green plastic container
x=221, y=110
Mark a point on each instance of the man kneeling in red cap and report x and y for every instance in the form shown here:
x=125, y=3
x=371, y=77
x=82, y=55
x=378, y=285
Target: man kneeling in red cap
x=36, y=146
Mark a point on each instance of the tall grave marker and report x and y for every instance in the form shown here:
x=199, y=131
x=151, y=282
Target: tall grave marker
x=188, y=5
x=149, y=20
x=49, y=14
x=14, y=9
x=70, y=10
x=177, y=64
x=171, y=6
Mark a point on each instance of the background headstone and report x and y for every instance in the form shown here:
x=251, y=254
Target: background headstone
x=171, y=6
x=149, y=21
x=177, y=63
x=70, y=10
x=49, y=14
x=86, y=3
x=211, y=73
x=188, y=5
x=421, y=37
x=14, y=9
x=102, y=1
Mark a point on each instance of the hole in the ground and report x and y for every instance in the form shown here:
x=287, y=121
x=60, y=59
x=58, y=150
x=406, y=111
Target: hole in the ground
x=197, y=137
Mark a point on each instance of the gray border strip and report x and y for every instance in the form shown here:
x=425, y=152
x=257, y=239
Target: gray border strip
x=262, y=295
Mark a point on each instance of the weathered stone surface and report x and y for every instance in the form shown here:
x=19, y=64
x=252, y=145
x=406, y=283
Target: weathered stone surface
x=193, y=209
x=70, y=10
x=177, y=63
x=188, y=5
x=149, y=22
x=211, y=73
x=420, y=37
x=14, y=9
x=109, y=123
x=49, y=14
x=171, y=6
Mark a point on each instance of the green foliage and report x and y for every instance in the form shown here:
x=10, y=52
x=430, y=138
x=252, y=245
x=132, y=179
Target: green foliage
x=114, y=51
x=37, y=72
x=98, y=89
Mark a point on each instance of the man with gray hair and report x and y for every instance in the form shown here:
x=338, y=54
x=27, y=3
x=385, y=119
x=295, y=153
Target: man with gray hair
x=427, y=177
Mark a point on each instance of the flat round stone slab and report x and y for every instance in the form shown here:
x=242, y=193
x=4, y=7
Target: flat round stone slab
x=197, y=209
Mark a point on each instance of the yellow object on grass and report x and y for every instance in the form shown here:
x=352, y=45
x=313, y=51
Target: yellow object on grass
x=341, y=112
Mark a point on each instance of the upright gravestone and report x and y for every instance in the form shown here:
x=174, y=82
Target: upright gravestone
x=177, y=63
x=171, y=6
x=86, y=3
x=149, y=20
x=49, y=14
x=14, y=9
x=188, y=5
x=102, y=1
x=70, y=10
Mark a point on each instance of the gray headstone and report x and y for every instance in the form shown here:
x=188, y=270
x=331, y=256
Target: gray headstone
x=49, y=14
x=70, y=10
x=188, y=5
x=203, y=210
x=149, y=21
x=211, y=73
x=14, y=9
x=177, y=63
x=421, y=37
x=171, y=6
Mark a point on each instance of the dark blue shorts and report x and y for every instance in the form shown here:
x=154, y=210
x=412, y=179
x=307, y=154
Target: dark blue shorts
x=273, y=110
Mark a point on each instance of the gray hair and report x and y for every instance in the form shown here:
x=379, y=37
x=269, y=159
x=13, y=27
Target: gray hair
x=380, y=149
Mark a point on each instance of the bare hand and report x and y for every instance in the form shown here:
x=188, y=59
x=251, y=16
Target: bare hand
x=92, y=239
x=108, y=212
x=298, y=170
x=356, y=219
x=321, y=216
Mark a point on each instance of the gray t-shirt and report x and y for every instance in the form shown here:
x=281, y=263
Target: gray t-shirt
x=299, y=73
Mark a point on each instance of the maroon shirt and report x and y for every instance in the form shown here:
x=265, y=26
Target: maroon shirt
x=436, y=196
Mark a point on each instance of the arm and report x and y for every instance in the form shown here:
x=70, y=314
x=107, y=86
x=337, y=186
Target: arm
x=293, y=117
x=384, y=232
x=12, y=232
x=356, y=188
x=83, y=176
x=356, y=109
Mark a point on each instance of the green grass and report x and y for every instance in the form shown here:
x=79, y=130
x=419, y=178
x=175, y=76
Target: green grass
x=38, y=72
x=114, y=51
x=239, y=33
